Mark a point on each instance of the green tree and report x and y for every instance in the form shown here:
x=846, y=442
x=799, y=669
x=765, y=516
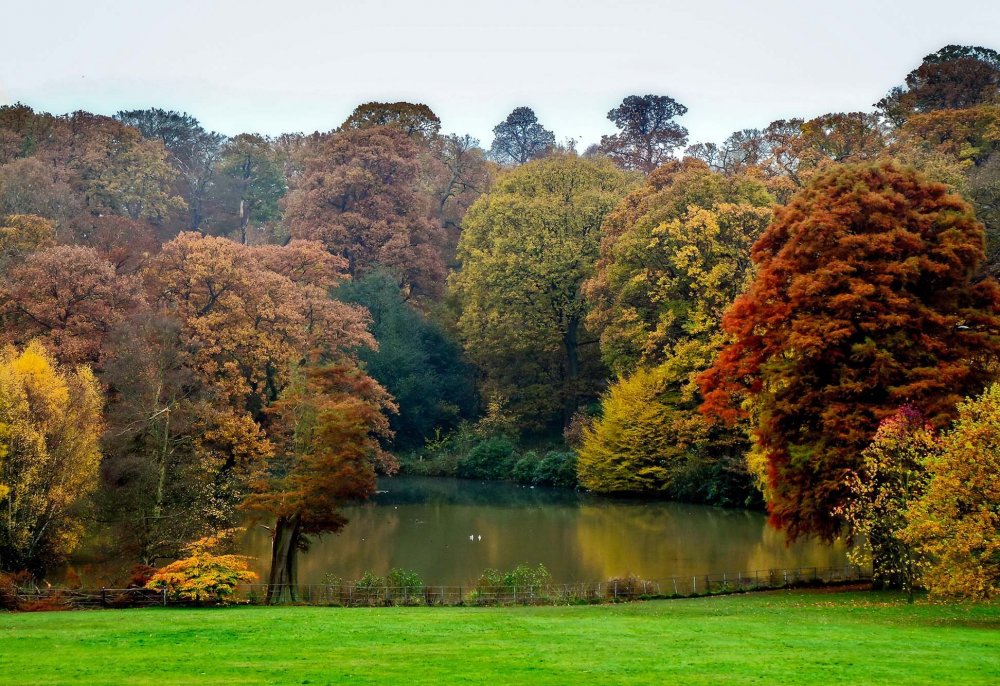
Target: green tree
x=256, y=169
x=526, y=249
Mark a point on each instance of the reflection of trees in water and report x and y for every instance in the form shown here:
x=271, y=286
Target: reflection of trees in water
x=424, y=524
x=668, y=539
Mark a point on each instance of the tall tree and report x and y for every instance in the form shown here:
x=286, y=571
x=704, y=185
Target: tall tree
x=526, y=249
x=50, y=425
x=359, y=195
x=864, y=301
x=954, y=77
x=648, y=134
x=193, y=152
x=253, y=164
x=416, y=120
x=327, y=426
x=520, y=138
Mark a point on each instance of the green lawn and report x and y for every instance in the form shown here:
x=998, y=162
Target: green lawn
x=774, y=638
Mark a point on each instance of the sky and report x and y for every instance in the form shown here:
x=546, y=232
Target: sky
x=303, y=65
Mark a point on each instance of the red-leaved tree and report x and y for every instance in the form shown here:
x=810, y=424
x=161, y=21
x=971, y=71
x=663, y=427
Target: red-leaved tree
x=866, y=299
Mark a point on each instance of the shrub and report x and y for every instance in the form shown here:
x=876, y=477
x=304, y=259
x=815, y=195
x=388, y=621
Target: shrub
x=525, y=468
x=557, y=468
x=491, y=459
x=522, y=576
x=404, y=582
x=203, y=575
x=628, y=588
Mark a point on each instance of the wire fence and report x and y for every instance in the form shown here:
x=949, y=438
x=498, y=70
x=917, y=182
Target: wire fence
x=366, y=595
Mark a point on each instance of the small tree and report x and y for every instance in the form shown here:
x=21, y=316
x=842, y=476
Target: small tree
x=891, y=477
x=956, y=522
x=648, y=133
x=204, y=574
x=520, y=138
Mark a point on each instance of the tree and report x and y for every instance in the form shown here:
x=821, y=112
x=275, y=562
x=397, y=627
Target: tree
x=23, y=234
x=520, y=138
x=460, y=173
x=50, y=426
x=673, y=256
x=327, y=425
x=193, y=151
x=955, y=522
x=648, y=134
x=70, y=298
x=891, y=477
x=416, y=120
x=416, y=361
x=358, y=194
x=954, y=77
x=204, y=574
x=30, y=186
x=864, y=301
x=256, y=169
x=526, y=249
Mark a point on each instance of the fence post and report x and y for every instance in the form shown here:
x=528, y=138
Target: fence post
x=616, y=589
x=164, y=596
x=104, y=597
x=694, y=585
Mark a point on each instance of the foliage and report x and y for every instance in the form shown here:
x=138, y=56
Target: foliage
x=955, y=522
x=416, y=361
x=525, y=252
x=954, y=77
x=864, y=300
x=491, y=459
x=519, y=138
x=648, y=134
x=203, y=574
x=404, y=581
x=50, y=425
x=22, y=234
x=70, y=298
x=358, y=193
x=521, y=577
x=892, y=475
x=416, y=120
x=255, y=167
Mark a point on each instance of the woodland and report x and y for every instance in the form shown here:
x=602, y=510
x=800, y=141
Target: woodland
x=201, y=331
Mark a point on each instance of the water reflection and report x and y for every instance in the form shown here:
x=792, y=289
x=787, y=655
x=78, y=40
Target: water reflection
x=425, y=525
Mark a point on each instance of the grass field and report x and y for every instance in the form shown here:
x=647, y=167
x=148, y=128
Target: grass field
x=767, y=638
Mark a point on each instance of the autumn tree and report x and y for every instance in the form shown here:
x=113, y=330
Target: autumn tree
x=358, y=193
x=30, y=186
x=193, y=152
x=68, y=297
x=459, y=173
x=23, y=234
x=648, y=134
x=520, y=138
x=954, y=524
x=954, y=77
x=863, y=301
x=327, y=427
x=50, y=426
x=674, y=255
x=892, y=475
x=256, y=170
x=526, y=249
x=416, y=120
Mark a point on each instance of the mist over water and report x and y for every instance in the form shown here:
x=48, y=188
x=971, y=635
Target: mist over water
x=425, y=524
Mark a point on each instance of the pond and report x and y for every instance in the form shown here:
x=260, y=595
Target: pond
x=450, y=530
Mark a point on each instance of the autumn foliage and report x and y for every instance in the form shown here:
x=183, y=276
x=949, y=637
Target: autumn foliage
x=864, y=300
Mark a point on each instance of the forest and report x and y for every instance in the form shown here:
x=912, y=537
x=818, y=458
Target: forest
x=200, y=331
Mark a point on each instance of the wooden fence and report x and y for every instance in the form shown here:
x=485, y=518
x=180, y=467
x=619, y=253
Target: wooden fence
x=359, y=595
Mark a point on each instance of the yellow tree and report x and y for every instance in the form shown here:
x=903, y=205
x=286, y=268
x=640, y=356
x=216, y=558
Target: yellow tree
x=674, y=255
x=50, y=426
x=956, y=523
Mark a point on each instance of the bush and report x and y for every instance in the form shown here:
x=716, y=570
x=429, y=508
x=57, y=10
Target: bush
x=491, y=459
x=521, y=577
x=405, y=581
x=628, y=588
x=525, y=468
x=203, y=575
x=557, y=468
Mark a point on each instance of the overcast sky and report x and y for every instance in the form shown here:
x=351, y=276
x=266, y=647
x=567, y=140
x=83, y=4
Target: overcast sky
x=303, y=65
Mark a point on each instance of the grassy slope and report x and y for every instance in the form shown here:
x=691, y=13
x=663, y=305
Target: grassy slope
x=776, y=638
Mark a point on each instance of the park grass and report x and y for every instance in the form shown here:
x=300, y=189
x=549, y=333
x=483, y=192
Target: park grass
x=788, y=637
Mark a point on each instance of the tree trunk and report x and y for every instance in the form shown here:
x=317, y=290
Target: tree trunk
x=282, y=583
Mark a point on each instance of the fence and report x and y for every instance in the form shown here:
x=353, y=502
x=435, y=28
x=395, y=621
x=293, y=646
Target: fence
x=364, y=595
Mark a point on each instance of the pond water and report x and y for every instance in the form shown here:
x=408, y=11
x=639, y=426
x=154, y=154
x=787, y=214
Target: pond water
x=450, y=530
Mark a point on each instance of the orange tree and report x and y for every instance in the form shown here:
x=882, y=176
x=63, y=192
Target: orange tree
x=865, y=300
